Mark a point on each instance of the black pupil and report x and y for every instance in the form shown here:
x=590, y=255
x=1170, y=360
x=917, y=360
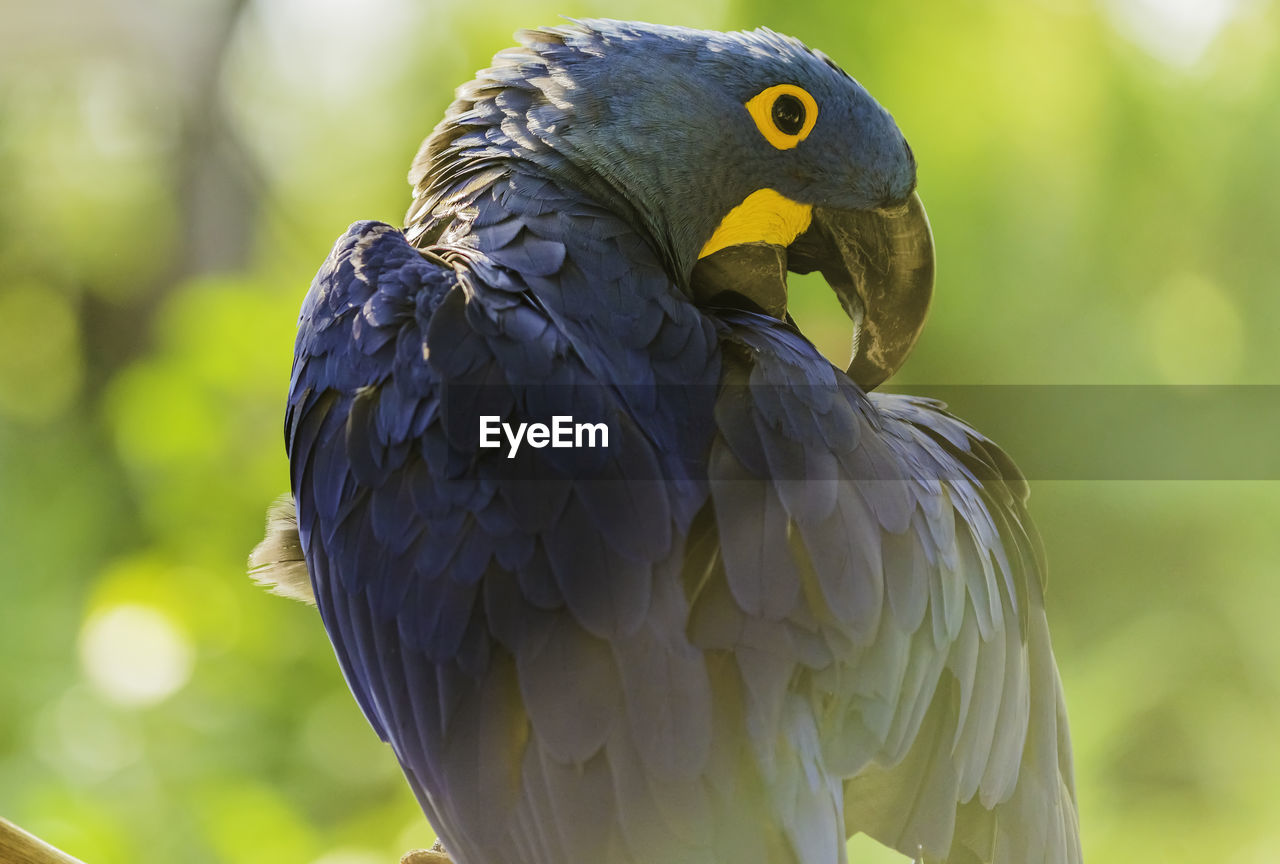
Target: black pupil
x=788, y=114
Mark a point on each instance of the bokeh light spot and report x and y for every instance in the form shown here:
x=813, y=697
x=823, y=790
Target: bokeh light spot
x=1179, y=32
x=82, y=737
x=1193, y=331
x=135, y=655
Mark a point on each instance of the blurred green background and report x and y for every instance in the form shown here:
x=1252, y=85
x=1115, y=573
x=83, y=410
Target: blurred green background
x=1102, y=179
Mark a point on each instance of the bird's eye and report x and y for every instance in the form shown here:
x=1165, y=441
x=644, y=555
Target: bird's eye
x=788, y=114
x=784, y=113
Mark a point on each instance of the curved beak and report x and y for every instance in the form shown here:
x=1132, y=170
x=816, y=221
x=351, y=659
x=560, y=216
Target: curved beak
x=879, y=262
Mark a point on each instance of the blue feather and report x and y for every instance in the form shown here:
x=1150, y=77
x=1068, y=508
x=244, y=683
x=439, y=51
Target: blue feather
x=773, y=610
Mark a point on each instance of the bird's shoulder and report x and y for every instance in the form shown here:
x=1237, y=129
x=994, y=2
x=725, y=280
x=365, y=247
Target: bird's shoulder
x=403, y=355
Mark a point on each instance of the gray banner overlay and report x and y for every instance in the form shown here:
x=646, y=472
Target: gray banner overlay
x=1053, y=432
x=1121, y=432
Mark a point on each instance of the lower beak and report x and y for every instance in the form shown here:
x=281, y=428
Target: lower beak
x=879, y=262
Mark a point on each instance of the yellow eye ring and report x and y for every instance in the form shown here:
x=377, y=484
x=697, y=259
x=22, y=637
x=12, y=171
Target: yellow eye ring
x=784, y=114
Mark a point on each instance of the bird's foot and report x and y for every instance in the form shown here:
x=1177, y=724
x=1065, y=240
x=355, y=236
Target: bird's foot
x=434, y=855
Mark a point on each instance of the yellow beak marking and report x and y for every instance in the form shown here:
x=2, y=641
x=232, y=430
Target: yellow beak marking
x=764, y=216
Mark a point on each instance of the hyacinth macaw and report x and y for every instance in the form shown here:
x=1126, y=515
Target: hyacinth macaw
x=761, y=608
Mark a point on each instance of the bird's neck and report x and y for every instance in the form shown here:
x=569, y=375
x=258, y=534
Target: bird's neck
x=604, y=290
x=463, y=169
x=548, y=229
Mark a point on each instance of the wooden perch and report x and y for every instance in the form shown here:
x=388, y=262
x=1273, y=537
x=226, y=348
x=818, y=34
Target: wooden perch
x=19, y=847
x=434, y=855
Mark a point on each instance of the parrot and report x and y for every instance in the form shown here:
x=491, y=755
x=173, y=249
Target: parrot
x=621, y=567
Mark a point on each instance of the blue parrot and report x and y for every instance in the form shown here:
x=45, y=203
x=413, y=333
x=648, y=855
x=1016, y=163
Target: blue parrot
x=620, y=566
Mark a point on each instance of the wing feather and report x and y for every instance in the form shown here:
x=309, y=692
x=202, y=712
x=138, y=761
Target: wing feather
x=752, y=614
x=918, y=581
x=497, y=619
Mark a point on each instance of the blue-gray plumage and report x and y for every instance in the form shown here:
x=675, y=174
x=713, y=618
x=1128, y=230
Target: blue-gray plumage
x=775, y=610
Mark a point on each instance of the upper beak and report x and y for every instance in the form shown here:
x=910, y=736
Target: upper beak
x=879, y=262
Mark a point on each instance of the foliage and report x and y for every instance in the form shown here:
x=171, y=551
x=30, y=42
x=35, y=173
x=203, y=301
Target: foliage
x=1102, y=184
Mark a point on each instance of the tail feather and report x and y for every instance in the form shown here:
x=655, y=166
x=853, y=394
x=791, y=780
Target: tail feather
x=277, y=563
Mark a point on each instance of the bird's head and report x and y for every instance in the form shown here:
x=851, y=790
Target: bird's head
x=740, y=155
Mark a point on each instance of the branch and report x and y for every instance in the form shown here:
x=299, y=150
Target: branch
x=19, y=847
x=434, y=855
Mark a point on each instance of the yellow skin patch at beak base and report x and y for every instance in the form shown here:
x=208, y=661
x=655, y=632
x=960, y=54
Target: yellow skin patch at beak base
x=764, y=216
